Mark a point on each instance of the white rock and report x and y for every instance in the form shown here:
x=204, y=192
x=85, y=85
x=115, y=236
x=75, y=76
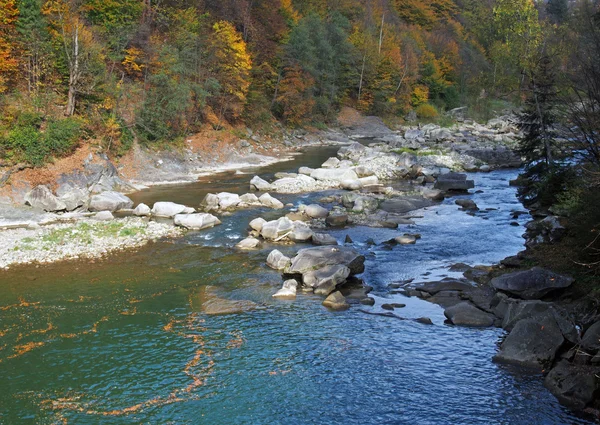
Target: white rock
x=275, y=229
x=142, y=210
x=305, y=171
x=276, y=260
x=228, y=200
x=368, y=181
x=257, y=224
x=250, y=199
x=259, y=184
x=104, y=216
x=316, y=211
x=196, y=221
x=288, y=290
x=110, y=201
x=210, y=202
x=351, y=184
x=331, y=163
x=268, y=201
x=167, y=209
x=334, y=174
x=248, y=243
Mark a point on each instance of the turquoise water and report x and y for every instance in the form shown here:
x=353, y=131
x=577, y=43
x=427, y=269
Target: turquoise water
x=128, y=339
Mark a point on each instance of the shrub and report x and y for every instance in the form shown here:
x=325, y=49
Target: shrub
x=426, y=111
x=62, y=136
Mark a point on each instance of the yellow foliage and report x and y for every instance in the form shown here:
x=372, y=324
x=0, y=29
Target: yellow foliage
x=419, y=95
x=426, y=110
x=131, y=62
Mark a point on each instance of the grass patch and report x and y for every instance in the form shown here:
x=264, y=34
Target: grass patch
x=417, y=152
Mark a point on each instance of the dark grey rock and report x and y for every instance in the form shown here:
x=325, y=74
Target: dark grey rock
x=531, y=284
x=466, y=314
x=574, y=386
x=591, y=338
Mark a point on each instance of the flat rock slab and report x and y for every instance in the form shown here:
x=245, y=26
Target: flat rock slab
x=404, y=205
x=466, y=314
x=531, y=284
x=309, y=259
x=443, y=285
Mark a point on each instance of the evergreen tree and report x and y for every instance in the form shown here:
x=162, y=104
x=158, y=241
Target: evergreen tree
x=558, y=10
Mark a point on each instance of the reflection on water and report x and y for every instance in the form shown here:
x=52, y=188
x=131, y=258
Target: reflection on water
x=137, y=338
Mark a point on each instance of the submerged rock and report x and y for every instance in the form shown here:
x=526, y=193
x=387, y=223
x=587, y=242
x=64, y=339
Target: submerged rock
x=209, y=302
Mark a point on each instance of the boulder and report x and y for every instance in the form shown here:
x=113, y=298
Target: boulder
x=75, y=198
x=142, y=210
x=257, y=224
x=336, y=220
x=110, y=201
x=365, y=204
x=362, y=171
x=454, y=182
x=467, y=204
x=336, y=301
x=531, y=284
x=432, y=194
x=573, y=385
x=210, y=202
x=259, y=184
x=591, y=338
x=168, y=209
x=352, y=152
x=309, y=259
x=273, y=230
x=413, y=134
x=466, y=314
x=196, y=221
x=404, y=205
x=288, y=290
x=305, y=171
x=301, y=232
x=276, y=260
x=316, y=211
x=323, y=239
x=334, y=174
x=323, y=281
x=331, y=163
x=43, y=198
x=443, y=285
x=248, y=243
x=228, y=200
x=268, y=201
x=406, y=240
x=369, y=181
x=533, y=343
x=104, y=216
x=351, y=184
x=249, y=199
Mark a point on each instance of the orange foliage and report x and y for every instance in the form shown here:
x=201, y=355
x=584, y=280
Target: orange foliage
x=8, y=62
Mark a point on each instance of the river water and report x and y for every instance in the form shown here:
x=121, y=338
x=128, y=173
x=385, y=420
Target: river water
x=125, y=340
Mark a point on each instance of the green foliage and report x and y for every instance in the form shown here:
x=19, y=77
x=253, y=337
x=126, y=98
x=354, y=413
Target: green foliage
x=426, y=111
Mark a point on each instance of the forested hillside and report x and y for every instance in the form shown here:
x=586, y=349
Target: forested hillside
x=114, y=71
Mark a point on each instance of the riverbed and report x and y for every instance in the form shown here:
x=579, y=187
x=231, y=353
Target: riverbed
x=127, y=339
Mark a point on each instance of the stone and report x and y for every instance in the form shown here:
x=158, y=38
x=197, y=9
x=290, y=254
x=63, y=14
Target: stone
x=348, y=199
x=466, y=314
x=288, y=290
x=362, y=171
x=309, y=259
x=323, y=239
x=413, y=134
x=467, y=204
x=531, y=284
x=196, y=221
x=167, y=209
x=404, y=205
x=104, y=216
x=334, y=174
x=432, y=194
x=367, y=301
x=351, y=184
x=228, y=200
x=142, y=210
x=210, y=202
x=331, y=163
x=365, y=204
x=305, y=171
x=443, y=285
x=110, y=201
x=249, y=199
x=573, y=385
x=453, y=182
x=210, y=303
x=424, y=321
x=325, y=280
x=273, y=230
x=276, y=260
x=259, y=184
x=43, y=198
x=591, y=338
x=75, y=198
x=316, y=211
x=269, y=201
x=336, y=301
x=257, y=224
x=248, y=243
x=532, y=343
x=301, y=232
x=336, y=220
x=406, y=240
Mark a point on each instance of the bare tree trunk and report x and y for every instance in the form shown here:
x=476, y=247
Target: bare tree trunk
x=381, y=32
x=362, y=73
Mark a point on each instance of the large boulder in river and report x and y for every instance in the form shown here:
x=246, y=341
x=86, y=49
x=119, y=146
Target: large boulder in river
x=196, y=221
x=110, y=201
x=533, y=343
x=276, y=260
x=75, y=198
x=273, y=230
x=336, y=301
x=573, y=385
x=43, y=198
x=316, y=211
x=324, y=280
x=142, y=210
x=454, y=182
x=169, y=209
x=531, y=284
x=334, y=174
x=466, y=314
x=310, y=259
x=228, y=200
x=268, y=201
x=259, y=184
x=404, y=205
